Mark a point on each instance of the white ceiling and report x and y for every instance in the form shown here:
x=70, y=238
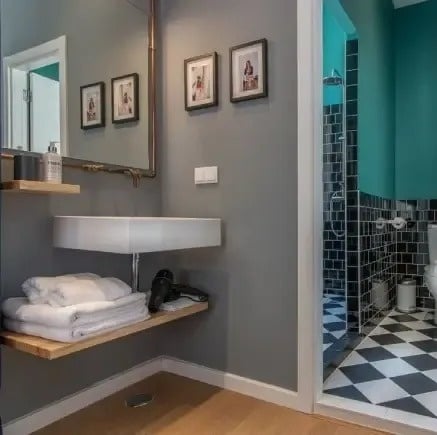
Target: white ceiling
x=403, y=3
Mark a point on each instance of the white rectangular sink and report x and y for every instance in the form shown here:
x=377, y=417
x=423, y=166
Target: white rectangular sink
x=132, y=235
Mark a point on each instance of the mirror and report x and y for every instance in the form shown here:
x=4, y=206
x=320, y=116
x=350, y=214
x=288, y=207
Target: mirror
x=77, y=74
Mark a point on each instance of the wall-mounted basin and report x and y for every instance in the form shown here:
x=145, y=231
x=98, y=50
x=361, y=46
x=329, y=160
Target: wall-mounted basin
x=129, y=235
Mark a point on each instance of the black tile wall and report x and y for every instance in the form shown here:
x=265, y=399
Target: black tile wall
x=377, y=258
x=341, y=255
x=352, y=194
x=334, y=268
x=335, y=248
x=391, y=255
x=412, y=244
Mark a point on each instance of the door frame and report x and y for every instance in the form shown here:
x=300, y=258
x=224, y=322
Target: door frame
x=310, y=230
x=34, y=58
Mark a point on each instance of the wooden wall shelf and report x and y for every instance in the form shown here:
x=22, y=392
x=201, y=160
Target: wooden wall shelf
x=27, y=186
x=49, y=349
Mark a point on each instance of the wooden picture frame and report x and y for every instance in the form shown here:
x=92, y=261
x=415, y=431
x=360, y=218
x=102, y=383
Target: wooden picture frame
x=248, y=70
x=92, y=106
x=125, y=98
x=201, y=82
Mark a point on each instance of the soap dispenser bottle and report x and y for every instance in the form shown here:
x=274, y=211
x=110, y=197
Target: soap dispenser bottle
x=52, y=165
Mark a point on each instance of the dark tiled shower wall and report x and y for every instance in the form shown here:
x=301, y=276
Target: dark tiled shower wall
x=391, y=254
x=377, y=257
x=334, y=268
x=352, y=182
x=412, y=244
x=334, y=247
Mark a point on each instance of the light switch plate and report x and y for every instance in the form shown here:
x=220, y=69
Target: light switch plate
x=206, y=175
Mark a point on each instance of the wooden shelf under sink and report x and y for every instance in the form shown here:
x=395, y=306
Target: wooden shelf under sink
x=41, y=187
x=49, y=349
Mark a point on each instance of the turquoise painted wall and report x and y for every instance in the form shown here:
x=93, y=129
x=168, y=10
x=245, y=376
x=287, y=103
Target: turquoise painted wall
x=374, y=21
x=49, y=71
x=337, y=28
x=334, y=40
x=416, y=101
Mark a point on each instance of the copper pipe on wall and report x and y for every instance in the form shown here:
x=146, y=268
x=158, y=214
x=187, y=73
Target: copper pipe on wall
x=152, y=86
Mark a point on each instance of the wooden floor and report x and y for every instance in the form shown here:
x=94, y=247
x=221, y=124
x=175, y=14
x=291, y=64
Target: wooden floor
x=186, y=407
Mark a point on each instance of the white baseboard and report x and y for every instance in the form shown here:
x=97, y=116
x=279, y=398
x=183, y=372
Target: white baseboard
x=64, y=407
x=249, y=387
x=60, y=409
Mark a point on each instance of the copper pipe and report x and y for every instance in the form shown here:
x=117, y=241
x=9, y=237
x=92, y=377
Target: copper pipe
x=152, y=28
x=136, y=174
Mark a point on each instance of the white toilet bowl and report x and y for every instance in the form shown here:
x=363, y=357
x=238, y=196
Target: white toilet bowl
x=430, y=278
x=431, y=270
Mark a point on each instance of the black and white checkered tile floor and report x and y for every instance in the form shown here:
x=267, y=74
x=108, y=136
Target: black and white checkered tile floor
x=395, y=366
x=334, y=321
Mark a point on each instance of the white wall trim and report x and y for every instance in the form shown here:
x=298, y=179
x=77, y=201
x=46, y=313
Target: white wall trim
x=60, y=409
x=64, y=407
x=309, y=134
x=347, y=410
x=228, y=381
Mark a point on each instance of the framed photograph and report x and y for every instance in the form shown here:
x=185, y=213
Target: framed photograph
x=125, y=102
x=201, y=82
x=248, y=71
x=92, y=106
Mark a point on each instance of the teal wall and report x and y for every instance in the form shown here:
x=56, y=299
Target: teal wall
x=49, y=71
x=337, y=28
x=374, y=21
x=334, y=40
x=416, y=101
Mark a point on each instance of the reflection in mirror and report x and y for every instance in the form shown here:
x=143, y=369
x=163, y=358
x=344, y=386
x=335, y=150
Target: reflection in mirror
x=53, y=48
x=33, y=99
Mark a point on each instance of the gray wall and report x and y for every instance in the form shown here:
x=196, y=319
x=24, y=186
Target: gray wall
x=105, y=39
x=28, y=382
x=252, y=328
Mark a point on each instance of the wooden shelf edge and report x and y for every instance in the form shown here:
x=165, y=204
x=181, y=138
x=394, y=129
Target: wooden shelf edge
x=51, y=350
x=27, y=186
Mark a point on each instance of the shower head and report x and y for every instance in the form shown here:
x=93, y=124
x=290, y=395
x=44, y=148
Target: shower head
x=335, y=79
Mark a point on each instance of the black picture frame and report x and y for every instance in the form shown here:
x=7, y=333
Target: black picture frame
x=264, y=92
x=102, y=103
x=135, y=96
x=213, y=100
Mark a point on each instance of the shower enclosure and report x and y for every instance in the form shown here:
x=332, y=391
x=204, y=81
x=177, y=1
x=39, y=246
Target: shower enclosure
x=340, y=190
x=334, y=214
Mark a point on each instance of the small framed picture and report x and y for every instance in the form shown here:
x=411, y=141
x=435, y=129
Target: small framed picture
x=201, y=82
x=125, y=100
x=248, y=71
x=92, y=106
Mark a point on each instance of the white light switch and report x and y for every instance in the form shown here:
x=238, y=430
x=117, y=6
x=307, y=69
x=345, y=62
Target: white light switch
x=206, y=175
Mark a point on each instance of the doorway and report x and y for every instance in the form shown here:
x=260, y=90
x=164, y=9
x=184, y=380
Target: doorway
x=310, y=244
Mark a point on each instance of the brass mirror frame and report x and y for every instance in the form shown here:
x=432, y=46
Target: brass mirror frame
x=136, y=173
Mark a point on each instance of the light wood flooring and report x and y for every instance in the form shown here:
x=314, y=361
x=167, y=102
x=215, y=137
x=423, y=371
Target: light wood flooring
x=185, y=407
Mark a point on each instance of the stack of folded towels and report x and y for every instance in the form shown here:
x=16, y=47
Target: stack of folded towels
x=71, y=308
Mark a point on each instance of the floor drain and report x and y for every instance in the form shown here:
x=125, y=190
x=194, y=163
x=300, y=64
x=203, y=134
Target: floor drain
x=139, y=400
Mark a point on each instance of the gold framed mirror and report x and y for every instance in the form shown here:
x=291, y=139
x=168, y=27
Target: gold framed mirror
x=84, y=80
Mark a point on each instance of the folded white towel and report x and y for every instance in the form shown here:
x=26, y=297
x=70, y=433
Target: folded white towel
x=76, y=333
x=82, y=314
x=38, y=287
x=85, y=290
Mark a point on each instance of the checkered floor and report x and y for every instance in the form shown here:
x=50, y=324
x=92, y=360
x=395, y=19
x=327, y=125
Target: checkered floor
x=395, y=366
x=334, y=322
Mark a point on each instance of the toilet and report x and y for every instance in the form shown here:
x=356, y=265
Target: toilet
x=431, y=270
